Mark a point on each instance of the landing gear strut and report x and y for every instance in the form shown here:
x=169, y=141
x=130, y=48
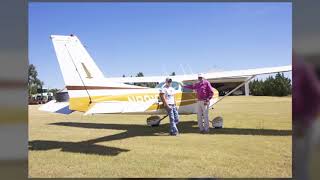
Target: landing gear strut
x=154, y=121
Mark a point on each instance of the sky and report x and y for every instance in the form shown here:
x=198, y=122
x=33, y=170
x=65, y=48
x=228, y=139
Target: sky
x=160, y=38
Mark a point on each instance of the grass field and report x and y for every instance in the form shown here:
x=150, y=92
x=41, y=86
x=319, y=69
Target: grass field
x=255, y=142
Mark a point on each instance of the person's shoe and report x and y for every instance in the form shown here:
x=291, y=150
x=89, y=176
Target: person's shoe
x=173, y=134
x=206, y=131
x=201, y=131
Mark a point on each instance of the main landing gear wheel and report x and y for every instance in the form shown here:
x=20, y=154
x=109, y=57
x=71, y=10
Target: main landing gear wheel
x=217, y=122
x=154, y=121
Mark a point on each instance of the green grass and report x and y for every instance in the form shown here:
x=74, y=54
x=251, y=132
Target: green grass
x=255, y=142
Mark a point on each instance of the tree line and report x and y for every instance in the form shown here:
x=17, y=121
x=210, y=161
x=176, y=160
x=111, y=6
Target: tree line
x=272, y=86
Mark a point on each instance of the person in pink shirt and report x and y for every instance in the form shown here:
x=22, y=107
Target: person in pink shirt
x=306, y=114
x=204, y=94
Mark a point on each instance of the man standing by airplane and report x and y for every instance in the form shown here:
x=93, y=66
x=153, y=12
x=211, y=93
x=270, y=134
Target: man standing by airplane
x=204, y=94
x=167, y=97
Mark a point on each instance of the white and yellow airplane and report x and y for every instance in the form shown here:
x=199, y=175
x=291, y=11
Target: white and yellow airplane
x=92, y=93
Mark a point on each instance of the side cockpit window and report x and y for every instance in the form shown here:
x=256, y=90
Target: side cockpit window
x=187, y=89
x=176, y=85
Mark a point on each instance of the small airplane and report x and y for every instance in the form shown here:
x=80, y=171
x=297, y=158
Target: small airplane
x=92, y=93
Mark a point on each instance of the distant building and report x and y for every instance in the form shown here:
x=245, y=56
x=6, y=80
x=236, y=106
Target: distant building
x=42, y=96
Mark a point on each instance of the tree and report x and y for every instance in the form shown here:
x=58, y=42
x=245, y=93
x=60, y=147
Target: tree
x=256, y=88
x=54, y=91
x=33, y=81
x=282, y=85
x=278, y=86
x=269, y=86
x=173, y=74
x=140, y=74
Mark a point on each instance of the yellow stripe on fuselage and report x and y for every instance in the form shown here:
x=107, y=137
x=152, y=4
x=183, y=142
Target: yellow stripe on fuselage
x=182, y=99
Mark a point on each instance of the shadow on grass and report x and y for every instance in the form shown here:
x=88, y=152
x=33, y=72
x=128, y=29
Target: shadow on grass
x=75, y=147
x=184, y=127
x=134, y=130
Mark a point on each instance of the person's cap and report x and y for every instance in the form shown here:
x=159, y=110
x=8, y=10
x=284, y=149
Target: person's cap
x=168, y=80
x=200, y=75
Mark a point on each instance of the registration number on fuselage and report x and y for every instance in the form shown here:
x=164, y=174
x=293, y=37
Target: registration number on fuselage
x=143, y=98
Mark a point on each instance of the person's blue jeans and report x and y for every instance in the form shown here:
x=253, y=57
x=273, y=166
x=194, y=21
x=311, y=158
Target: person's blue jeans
x=174, y=119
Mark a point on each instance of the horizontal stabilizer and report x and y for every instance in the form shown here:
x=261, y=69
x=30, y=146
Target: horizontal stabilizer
x=56, y=107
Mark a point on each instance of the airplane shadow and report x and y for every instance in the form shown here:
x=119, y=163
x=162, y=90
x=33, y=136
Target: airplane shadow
x=134, y=130
x=184, y=127
x=75, y=147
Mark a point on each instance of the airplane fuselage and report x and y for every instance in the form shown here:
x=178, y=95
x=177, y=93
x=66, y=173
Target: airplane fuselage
x=132, y=101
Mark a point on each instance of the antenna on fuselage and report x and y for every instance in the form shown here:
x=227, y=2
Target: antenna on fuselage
x=190, y=69
x=184, y=73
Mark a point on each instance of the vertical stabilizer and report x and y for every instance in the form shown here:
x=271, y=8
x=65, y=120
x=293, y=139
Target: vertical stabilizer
x=75, y=62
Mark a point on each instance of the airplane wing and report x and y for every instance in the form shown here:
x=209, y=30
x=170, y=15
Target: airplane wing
x=222, y=76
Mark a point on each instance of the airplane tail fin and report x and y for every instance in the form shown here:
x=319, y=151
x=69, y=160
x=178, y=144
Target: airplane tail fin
x=83, y=79
x=76, y=64
x=78, y=69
